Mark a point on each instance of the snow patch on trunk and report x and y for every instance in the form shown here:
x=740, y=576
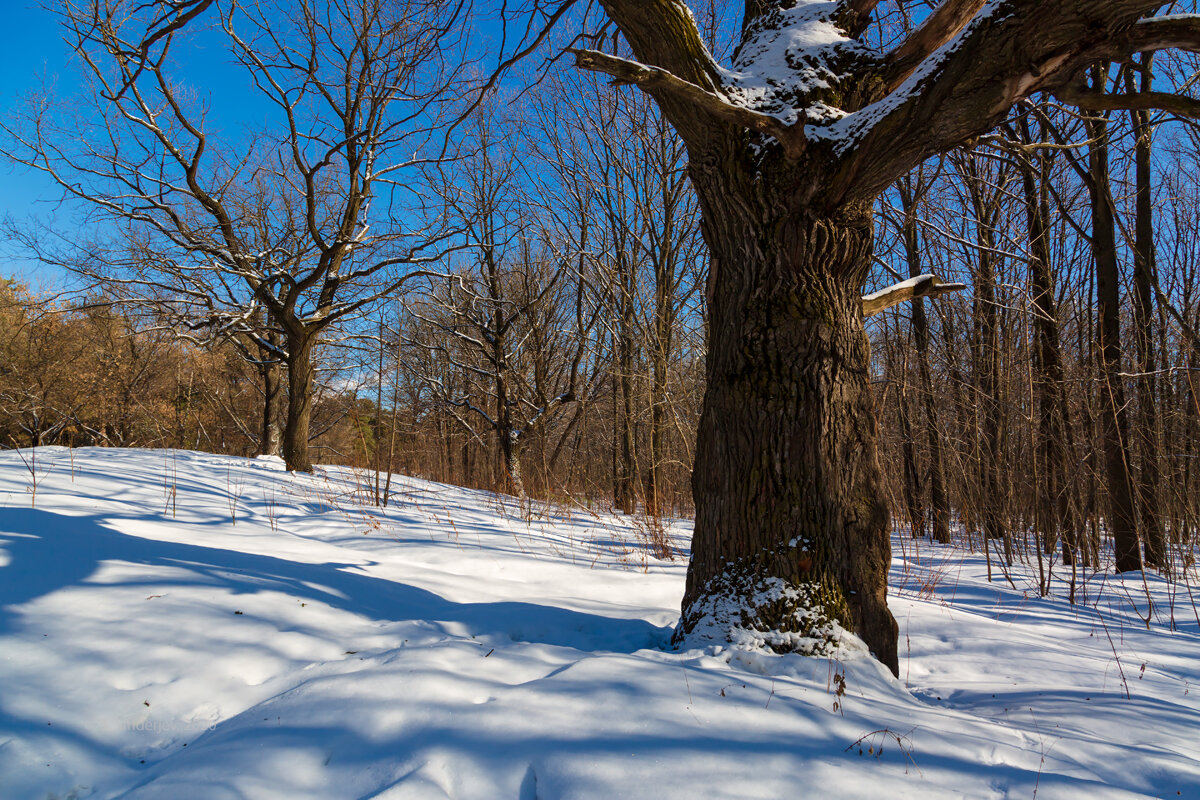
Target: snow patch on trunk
x=786, y=58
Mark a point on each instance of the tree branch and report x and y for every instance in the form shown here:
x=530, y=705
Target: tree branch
x=1180, y=32
x=663, y=33
x=1004, y=53
x=921, y=286
x=940, y=27
x=1134, y=101
x=663, y=84
x=856, y=15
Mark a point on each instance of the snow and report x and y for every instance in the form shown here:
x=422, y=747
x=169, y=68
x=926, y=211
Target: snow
x=787, y=57
x=179, y=625
x=908, y=283
x=728, y=615
x=852, y=128
x=783, y=66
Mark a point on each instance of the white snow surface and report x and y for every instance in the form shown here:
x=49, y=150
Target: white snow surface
x=183, y=625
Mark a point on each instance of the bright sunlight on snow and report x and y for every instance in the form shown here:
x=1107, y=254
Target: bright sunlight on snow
x=182, y=625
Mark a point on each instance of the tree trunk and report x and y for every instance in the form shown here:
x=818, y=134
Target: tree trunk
x=658, y=429
x=1053, y=504
x=791, y=527
x=938, y=500
x=627, y=468
x=660, y=352
x=272, y=410
x=1122, y=519
x=1153, y=535
x=510, y=456
x=987, y=363
x=508, y=437
x=300, y=389
x=914, y=494
x=962, y=403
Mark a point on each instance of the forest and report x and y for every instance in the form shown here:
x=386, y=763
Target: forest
x=553, y=344
x=561, y=398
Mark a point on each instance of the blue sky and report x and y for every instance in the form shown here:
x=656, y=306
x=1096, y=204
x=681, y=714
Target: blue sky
x=33, y=49
x=36, y=55
x=40, y=55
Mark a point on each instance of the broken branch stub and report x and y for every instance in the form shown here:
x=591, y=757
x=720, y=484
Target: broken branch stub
x=921, y=286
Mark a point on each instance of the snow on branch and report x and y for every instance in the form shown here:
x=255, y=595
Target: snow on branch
x=1172, y=31
x=792, y=63
x=928, y=285
x=661, y=82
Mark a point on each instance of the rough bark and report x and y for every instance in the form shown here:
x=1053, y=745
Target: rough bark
x=791, y=529
x=300, y=390
x=944, y=23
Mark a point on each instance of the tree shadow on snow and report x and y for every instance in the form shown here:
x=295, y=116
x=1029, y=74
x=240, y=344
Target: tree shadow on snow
x=49, y=552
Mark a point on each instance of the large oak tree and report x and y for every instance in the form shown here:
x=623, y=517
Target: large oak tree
x=789, y=146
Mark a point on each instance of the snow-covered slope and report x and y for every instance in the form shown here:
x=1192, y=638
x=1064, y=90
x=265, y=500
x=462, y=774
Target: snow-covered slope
x=183, y=625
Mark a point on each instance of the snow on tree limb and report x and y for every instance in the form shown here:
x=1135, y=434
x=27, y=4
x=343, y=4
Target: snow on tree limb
x=1008, y=51
x=1174, y=31
x=928, y=285
x=662, y=83
x=801, y=77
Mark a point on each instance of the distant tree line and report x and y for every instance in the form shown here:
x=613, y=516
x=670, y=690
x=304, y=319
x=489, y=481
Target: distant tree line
x=1054, y=409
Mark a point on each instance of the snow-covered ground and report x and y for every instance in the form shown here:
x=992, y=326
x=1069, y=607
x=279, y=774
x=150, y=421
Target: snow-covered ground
x=183, y=625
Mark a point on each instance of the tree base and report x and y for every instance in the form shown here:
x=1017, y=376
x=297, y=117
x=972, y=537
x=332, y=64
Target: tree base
x=767, y=614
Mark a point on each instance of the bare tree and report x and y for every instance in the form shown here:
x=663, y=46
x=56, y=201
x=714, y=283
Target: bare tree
x=1114, y=415
x=1144, y=267
x=516, y=319
x=1055, y=516
x=293, y=228
x=627, y=167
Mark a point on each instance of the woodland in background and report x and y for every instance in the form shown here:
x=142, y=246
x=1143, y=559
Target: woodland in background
x=558, y=350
